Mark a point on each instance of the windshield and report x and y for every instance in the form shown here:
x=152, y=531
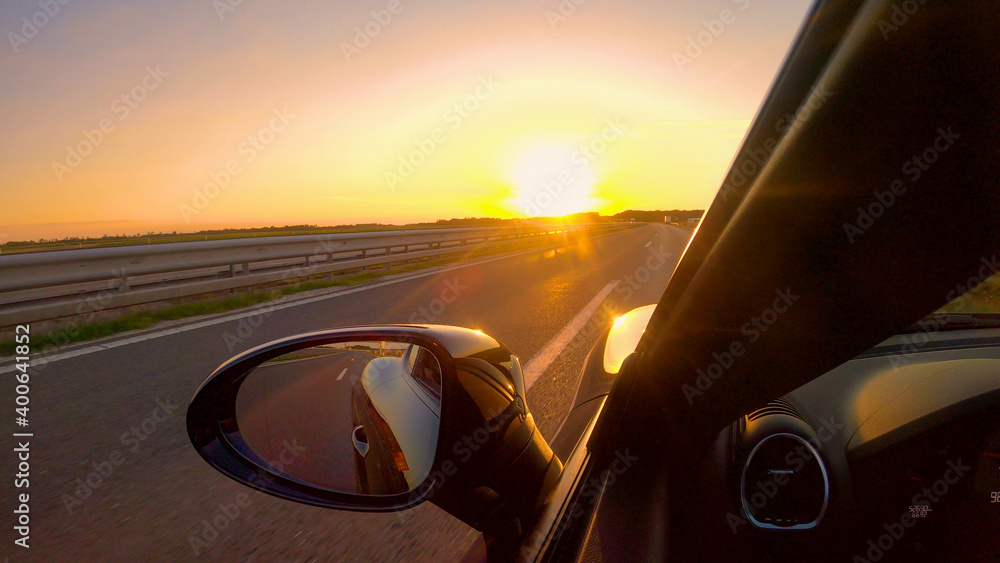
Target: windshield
x=978, y=295
x=184, y=182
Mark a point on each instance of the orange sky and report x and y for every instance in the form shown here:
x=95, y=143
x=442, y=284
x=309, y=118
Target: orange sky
x=292, y=112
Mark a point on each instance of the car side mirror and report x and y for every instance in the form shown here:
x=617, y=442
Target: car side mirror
x=379, y=419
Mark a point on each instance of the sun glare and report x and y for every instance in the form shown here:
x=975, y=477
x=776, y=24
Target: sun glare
x=553, y=180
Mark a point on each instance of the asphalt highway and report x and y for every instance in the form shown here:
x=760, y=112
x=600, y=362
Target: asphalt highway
x=113, y=476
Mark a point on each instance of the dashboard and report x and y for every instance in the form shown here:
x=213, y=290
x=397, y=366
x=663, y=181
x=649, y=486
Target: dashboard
x=894, y=455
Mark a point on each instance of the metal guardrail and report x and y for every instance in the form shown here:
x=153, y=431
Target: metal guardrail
x=52, y=285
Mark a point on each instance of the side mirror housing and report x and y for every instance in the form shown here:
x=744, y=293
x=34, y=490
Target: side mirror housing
x=378, y=419
x=624, y=337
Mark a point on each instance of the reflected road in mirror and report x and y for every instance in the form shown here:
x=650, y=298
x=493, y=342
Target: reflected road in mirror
x=351, y=417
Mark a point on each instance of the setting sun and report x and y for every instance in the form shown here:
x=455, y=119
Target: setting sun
x=553, y=179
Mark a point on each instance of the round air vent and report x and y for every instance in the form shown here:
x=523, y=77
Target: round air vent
x=784, y=485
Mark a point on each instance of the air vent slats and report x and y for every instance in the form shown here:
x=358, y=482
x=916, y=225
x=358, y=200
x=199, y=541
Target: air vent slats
x=779, y=406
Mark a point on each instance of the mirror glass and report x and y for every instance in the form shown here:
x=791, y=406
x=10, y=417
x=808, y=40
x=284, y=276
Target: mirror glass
x=351, y=417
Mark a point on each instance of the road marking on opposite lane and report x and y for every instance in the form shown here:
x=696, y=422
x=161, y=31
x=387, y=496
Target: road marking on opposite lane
x=341, y=374
x=537, y=365
x=273, y=306
x=649, y=243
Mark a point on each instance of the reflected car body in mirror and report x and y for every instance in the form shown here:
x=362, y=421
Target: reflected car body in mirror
x=400, y=415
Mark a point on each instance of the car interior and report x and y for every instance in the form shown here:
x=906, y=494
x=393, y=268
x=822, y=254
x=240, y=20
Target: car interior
x=793, y=398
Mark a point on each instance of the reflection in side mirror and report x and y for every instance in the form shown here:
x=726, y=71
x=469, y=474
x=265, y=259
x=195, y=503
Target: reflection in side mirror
x=381, y=418
x=363, y=416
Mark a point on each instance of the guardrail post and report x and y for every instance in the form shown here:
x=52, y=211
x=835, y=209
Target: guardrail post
x=122, y=280
x=246, y=268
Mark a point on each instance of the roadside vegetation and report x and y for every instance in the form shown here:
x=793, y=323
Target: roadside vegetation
x=984, y=298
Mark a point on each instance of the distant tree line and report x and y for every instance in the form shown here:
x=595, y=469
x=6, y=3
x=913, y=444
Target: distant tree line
x=590, y=217
x=676, y=215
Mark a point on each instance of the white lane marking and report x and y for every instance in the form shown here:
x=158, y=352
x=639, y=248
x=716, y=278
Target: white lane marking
x=341, y=374
x=265, y=308
x=536, y=366
x=649, y=243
